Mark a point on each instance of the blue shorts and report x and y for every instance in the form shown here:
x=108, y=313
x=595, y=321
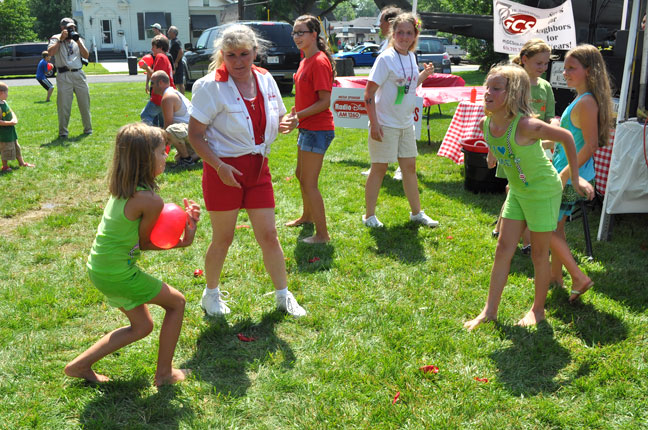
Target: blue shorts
x=45, y=83
x=316, y=141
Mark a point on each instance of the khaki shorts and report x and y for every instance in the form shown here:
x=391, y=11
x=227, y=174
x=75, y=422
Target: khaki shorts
x=9, y=150
x=396, y=143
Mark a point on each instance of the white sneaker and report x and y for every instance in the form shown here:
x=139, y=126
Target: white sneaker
x=366, y=172
x=214, y=304
x=421, y=218
x=398, y=175
x=288, y=304
x=372, y=221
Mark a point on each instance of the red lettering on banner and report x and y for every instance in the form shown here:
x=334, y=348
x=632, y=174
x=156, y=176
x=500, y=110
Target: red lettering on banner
x=519, y=23
x=349, y=107
x=416, y=114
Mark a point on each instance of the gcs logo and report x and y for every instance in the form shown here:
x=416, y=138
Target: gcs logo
x=519, y=23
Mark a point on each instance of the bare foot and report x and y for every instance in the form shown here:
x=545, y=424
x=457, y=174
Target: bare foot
x=176, y=375
x=88, y=374
x=481, y=318
x=316, y=239
x=296, y=223
x=580, y=289
x=27, y=165
x=531, y=318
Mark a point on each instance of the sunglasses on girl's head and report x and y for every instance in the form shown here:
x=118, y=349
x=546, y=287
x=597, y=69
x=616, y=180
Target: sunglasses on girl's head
x=300, y=33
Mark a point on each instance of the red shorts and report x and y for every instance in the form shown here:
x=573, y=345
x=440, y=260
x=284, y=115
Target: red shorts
x=253, y=194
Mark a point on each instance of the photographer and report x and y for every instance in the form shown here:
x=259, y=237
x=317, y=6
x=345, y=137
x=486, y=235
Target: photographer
x=69, y=52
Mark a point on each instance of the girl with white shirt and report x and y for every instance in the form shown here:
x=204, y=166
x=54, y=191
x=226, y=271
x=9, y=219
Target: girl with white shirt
x=390, y=98
x=235, y=115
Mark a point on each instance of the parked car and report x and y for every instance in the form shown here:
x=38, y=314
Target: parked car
x=430, y=50
x=456, y=52
x=281, y=59
x=22, y=58
x=361, y=55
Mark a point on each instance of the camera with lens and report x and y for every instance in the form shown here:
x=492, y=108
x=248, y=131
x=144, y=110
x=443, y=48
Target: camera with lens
x=72, y=33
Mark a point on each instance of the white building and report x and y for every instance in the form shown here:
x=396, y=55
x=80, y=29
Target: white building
x=124, y=25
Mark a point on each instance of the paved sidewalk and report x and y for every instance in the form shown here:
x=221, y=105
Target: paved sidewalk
x=118, y=66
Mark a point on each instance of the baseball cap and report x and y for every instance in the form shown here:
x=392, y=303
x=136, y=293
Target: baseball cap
x=66, y=21
x=156, y=25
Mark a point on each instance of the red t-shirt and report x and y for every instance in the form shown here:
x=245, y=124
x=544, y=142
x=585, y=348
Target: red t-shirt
x=256, y=110
x=314, y=74
x=162, y=63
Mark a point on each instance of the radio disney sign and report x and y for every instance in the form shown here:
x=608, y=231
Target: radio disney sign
x=514, y=24
x=350, y=111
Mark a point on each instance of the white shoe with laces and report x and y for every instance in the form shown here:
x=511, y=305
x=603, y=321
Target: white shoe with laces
x=365, y=172
x=288, y=303
x=398, y=175
x=214, y=304
x=372, y=221
x=423, y=219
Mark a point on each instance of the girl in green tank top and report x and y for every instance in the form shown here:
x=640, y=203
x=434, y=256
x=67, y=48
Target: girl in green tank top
x=514, y=137
x=125, y=229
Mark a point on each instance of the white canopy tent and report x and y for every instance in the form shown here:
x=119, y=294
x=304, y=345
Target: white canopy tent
x=627, y=186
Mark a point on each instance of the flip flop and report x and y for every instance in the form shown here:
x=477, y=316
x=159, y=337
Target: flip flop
x=580, y=293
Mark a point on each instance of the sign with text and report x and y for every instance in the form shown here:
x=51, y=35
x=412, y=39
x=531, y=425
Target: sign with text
x=514, y=24
x=350, y=111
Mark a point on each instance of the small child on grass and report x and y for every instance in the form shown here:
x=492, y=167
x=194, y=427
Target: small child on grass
x=125, y=230
x=8, y=137
x=41, y=74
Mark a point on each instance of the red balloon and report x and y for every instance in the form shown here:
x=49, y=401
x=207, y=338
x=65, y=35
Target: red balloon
x=50, y=66
x=169, y=226
x=147, y=59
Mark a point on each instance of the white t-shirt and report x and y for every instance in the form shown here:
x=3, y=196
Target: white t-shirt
x=217, y=103
x=391, y=70
x=182, y=114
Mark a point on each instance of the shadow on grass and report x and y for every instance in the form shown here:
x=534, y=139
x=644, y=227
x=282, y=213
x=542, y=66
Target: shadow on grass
x=529, y=365
x=593, y=326
x=454, y=189
x=65, y=141
x=224, y=361
x=312, y=257
x=126, y=404
x=400, y=242
x=172, y=167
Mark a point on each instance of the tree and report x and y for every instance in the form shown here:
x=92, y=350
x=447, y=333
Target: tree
x=16, y=22
x=48, y=15
x=345, y=11
x=282, y=10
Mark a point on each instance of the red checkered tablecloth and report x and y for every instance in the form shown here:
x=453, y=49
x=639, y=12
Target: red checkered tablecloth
x=602, y=159
x=464, y=125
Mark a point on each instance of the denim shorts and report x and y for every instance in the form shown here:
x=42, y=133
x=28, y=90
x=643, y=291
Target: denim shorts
x=316, y=141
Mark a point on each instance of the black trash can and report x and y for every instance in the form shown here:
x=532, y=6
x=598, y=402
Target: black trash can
x=478, y=177
x=132, y=65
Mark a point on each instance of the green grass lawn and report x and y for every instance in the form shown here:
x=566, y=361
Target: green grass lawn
x=381, y=304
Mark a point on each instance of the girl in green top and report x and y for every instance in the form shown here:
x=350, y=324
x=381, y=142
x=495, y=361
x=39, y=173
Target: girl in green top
x=534, y=58
x=513, y=136
x=125, y=229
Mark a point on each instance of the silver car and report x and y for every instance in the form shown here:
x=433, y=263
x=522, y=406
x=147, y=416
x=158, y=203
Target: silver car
x=430, y=49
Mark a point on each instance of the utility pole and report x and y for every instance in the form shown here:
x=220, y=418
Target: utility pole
x=241, y=9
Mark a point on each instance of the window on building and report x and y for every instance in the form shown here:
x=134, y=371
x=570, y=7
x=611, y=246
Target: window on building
x=147, y=19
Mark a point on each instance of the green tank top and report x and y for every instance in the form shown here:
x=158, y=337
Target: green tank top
x=540, y=178
x=7, y=132
x=116, y=246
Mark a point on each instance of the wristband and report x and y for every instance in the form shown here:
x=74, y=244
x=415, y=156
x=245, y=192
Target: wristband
x=219, y=166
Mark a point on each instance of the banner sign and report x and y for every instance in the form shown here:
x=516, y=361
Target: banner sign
x=349, y=109
x=514, y=24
